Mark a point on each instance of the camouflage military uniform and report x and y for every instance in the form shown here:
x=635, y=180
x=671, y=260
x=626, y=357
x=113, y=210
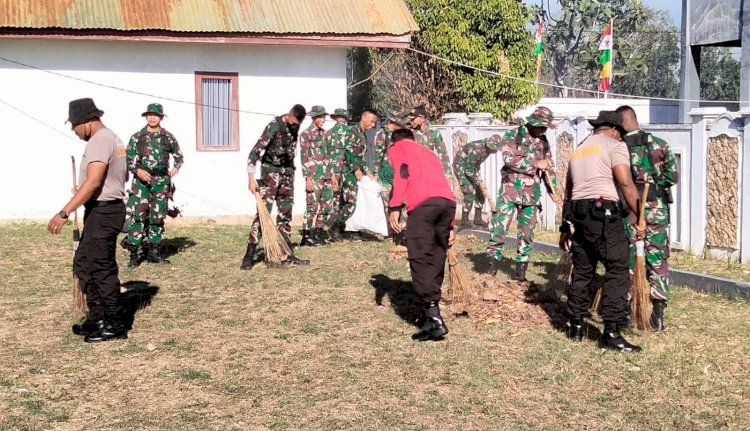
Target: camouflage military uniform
x=316, y=166
x=652, y=161
x=433, y=141
x=353, y=161
x=147, y=202
x=275, y=151
x=466, y=169
x=336, y=142
x=520, y=191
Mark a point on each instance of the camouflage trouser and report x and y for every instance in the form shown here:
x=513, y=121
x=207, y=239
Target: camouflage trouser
x=656, y=249
x=146, y=210
x=500, y=224
x=319, y=204
x=347, y=198
x=275, y=187
x=473, y=197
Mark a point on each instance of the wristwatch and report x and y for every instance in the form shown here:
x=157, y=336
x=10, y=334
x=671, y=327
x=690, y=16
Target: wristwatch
x=63, y=215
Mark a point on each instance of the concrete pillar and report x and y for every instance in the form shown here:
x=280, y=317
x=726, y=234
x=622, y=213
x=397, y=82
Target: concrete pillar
x=745, y=58
x=745, y=187
x=697, y=199
x=690, y=86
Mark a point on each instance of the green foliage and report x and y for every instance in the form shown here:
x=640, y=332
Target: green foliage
x=487, y=34
x=720, y=74
x=646, y=50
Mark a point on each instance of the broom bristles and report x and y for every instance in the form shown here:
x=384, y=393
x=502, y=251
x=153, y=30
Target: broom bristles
x=79, y=298
x=641, y=301
x=274, y=245
x=596, y=304
x=561, y=274
x=460, y=289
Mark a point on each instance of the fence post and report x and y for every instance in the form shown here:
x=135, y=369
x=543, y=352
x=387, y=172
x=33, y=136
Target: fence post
x=745, y=188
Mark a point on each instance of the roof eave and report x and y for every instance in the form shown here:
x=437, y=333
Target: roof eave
x=334, y=40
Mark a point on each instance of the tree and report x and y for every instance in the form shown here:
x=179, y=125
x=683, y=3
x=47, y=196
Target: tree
x=719, y=74
x=646, y=50
x=486, y=34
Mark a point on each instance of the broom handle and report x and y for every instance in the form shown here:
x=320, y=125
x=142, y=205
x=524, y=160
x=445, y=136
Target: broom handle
x=489, y=198
x=642, y=212
x=75, y=189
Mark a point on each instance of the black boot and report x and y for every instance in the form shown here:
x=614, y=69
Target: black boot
x=108, y=331
x=657, y=314
x=355, y=236
x=317, y=237
x=521, y=268
x=492, y=265
x=575, y=332
x=465, y=221
x=433, y=327
x=478, y=221
x=293, y=260
x=307, y=239
x=336, y=232
x=154, y=254
x=87, y=327
x=247, y=260
x=137, y=255
x=612, y=340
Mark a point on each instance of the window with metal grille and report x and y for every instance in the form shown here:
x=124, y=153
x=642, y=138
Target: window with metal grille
x=216, y=111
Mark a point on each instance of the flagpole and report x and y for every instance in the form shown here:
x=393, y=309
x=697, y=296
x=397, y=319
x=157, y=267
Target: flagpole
x=611, y=57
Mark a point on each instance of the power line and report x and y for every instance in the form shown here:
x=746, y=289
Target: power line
x=373, y=73
x=37, y=120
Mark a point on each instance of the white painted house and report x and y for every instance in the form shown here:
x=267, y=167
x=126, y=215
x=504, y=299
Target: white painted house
x=249, y=59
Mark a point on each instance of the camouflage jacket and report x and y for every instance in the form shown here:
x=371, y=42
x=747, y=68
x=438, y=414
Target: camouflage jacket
x=474, y=153
x=651, y=161
x=433, y=141
x=274, y=149
x=336, y=143
x=354, y=152
x=315, y=160
x=151, y=150
x=521, y=178
x=381, y=166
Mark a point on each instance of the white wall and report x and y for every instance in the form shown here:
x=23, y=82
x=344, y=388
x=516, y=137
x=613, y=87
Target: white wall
x=36, y=169
x=648, y=111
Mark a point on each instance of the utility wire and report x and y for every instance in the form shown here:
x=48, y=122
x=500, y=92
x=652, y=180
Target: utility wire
x=375, y=72
x=54, y=129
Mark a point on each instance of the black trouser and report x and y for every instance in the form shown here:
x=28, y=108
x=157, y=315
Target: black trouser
x=599, y=238
x=428, y=228
x=95, y=261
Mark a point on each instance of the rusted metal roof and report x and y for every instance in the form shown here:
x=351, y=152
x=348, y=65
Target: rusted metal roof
x=281, y=17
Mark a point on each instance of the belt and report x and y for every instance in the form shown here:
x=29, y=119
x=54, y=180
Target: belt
x=94, y=204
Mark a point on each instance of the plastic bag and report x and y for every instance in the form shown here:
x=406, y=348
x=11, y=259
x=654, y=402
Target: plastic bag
x=369, y=213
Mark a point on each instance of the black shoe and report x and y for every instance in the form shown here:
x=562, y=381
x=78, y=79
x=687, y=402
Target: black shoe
x=293, y=260
x=155, y=255
x=307, y=239
x=247, y=260
x=107, y=332
x=317, y=237
x=657, y=314
x=137, y=255
x=575, y=332
x=336, y=232
x=465, y=221
x=492, y=265
x=521, y=268
x=87, y=327
x=478, y=220
x=355, y=236
x=433, y=326
x=615, y=341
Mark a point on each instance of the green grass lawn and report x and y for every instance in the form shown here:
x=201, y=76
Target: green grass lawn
x=217, y=348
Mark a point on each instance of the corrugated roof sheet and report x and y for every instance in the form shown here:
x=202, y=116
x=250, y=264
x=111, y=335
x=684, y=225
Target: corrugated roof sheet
x=390, y=17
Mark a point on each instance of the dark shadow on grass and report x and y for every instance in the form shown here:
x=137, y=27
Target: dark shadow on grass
x=172, y=246
x=479, y=264
x=400, y=295
x=138, y=296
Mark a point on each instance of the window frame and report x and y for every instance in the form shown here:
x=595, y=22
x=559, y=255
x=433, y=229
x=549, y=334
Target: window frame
x=234, y=144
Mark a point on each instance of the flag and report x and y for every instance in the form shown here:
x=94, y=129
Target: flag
x=538, y=50
x=605, y=46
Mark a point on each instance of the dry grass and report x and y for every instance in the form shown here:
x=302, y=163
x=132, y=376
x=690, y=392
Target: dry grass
x=309, y=348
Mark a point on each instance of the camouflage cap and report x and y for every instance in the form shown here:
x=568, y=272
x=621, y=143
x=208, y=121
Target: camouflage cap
x=154, y=108
x=541, y=117
x=317, y=111
x=341, y=112
x=399, y=118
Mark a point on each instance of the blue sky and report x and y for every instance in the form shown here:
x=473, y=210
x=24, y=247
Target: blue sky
x=674, y=7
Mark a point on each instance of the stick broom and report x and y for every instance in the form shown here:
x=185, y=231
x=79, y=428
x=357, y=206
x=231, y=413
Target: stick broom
x=79, y=298
x=641, y=296
x=274, y=245
x=461, y=289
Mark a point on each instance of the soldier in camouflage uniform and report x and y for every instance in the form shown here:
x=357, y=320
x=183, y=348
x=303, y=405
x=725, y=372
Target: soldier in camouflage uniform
x=317, y=174
x=336, y=142
x=527, y=162
x=651, y=161
x=275, y=150
x=383, y=171
x=430, y=139
x=148, y=160
x=466, y=168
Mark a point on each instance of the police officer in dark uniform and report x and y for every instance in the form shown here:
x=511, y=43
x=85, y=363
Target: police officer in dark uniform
x=593, y=229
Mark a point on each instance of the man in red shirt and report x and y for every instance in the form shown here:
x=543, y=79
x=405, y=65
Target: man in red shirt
x=419, y=181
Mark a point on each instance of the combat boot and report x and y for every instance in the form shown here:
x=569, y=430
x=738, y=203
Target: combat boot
x=478, y=220
x=307, y=239
x=492, y=265
x=521, y=268
x=336, y=232
x=317, y=237
x=611, y=339
x=247, y=261
x=433, y=326
x=108, y=331
x=155, y=254
x=293, y=260
x=575, y=331
x=137, y=255
x=657, y=314
x=87, y=327
x=465, y=221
